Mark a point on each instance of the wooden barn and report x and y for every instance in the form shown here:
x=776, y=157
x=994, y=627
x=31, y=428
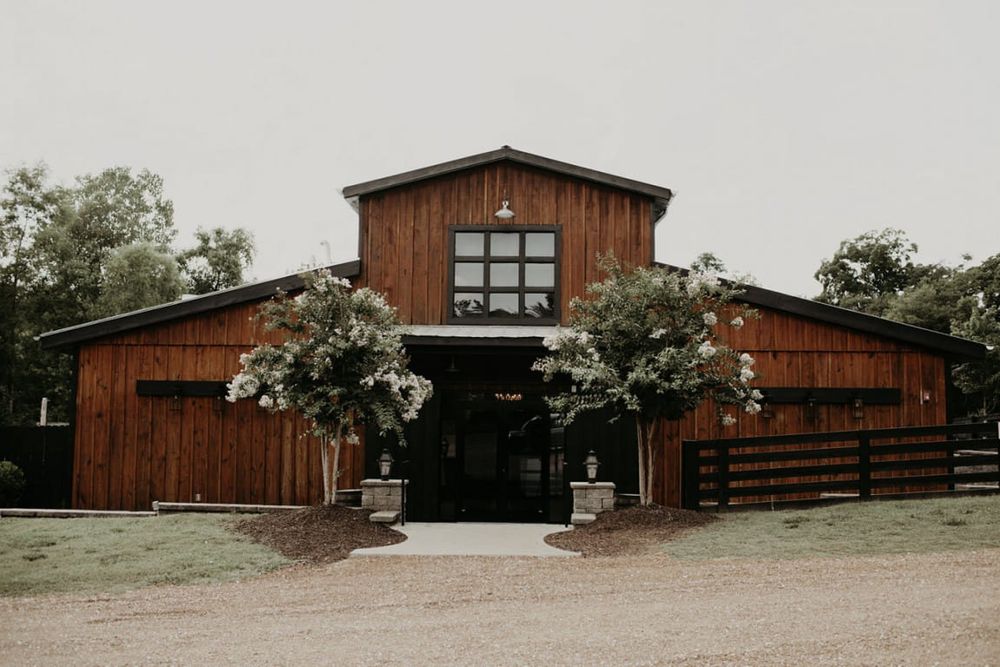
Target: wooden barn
x=478, y=289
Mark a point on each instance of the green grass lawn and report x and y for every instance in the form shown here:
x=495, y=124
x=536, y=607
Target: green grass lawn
x=110, y=555
x=878, y=527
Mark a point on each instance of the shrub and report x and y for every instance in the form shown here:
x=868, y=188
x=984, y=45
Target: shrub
x=11, y=483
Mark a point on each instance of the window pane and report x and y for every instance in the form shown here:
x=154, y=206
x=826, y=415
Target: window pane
x=503, y=305
x=469, y=243
x=503, y=274
x=504, y=244
x=539, y=275
x=468, y=274
x=468, y=304
x=539, y=305
x=540, y=244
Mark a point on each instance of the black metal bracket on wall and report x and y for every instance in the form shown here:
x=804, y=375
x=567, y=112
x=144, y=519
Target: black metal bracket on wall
x=830, y=395
x=181, y=388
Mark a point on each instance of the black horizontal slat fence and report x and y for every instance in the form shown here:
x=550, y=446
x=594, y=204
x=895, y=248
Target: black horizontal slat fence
x=805, y=466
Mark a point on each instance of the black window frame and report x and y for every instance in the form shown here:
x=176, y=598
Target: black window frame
x=521, y=259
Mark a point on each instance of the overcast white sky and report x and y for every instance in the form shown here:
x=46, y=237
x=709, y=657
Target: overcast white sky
x=782, y=127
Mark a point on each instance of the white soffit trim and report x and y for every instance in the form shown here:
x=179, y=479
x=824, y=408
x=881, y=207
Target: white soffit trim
x=477, y=331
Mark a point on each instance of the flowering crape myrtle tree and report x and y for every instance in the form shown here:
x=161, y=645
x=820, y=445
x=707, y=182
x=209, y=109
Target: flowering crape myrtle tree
x=646, y=344
x=342, y=363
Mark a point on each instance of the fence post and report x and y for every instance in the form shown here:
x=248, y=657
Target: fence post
x=998, y=453
x=864, y=466
x=723, y=451
x=690, y=475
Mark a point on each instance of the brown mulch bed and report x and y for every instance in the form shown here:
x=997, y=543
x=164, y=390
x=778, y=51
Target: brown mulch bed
x=628, y=532
x=318, y=534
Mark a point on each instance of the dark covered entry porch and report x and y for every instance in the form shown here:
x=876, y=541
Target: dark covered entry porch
x=487, y=448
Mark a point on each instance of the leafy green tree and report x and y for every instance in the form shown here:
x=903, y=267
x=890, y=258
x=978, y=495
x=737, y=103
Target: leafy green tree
x=647, y=344
x=341, y=363
x=26, y=204
x=984, y=282
x=942, y=297
x=137, y=276
x=105, y=212
x=869, y=271
x=981, y=378
x=218, y=260
x=56, y=244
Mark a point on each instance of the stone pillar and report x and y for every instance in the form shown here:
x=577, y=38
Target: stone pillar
x=589, y=500
x=383, y=498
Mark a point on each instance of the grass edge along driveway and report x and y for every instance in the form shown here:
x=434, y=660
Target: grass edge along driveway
x=39, y=556
x=848, y=529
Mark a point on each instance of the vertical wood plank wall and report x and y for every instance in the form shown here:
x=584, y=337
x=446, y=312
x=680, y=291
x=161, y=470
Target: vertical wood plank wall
x=793, y=351
x=404, y=231
x=131, y=450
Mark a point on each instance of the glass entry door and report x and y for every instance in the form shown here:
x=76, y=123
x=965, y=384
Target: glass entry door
x=501, y=459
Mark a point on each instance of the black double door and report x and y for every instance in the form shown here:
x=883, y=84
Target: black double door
x=501, y=459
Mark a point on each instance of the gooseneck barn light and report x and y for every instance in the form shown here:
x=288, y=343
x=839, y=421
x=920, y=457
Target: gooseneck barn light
x=504, y=213
x=385, y=464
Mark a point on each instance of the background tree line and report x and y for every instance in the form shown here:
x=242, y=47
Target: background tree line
x=875, y=273
x=97, y=248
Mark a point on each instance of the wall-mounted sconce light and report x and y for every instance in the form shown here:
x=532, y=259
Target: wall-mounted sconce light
x=858, y=408
x=811, y=408
x=925, y=395
x=175, y=403
x=504, y=213
x=767, y=411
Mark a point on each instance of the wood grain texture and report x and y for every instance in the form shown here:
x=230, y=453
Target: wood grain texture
x=406, y=230
x=131, y=450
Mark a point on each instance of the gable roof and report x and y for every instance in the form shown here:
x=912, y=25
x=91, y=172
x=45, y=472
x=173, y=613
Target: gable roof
x=951, y=346
x=661, y=196
x=184, y=308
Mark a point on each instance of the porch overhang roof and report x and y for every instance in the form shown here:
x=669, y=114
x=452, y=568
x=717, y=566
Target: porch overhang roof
x=475, y=335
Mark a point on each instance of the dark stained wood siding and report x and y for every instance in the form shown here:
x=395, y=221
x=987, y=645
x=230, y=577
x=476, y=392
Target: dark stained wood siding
x=404, y=237
x=132, y=450
x=792, y=351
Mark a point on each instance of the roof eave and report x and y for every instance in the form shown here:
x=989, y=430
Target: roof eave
x=117, y=324
x=951, y=346
x=353, y=192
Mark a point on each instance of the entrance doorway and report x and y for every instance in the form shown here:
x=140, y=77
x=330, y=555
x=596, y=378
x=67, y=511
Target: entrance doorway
x=501, y=458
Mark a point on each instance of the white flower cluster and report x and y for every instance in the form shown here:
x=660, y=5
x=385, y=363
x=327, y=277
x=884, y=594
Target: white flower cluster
x=710, y=319
x=408, y=388
x=562, y=336
x=736, y=322
x=746, y=375
x=243, y=385
x=705, y=350
x=698, y=282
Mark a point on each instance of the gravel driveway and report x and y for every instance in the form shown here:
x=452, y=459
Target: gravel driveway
x=909, y=609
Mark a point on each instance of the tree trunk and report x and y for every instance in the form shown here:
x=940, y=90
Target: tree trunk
x=640, y=437
x=335, y=468
x=324, y=459
x=644, y=433
x=651, y=460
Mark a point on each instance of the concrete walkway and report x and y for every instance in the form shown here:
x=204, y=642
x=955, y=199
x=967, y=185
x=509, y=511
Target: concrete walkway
x=471, y=539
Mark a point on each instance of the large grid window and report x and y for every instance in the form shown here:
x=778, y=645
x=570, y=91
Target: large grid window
x=504, y=273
